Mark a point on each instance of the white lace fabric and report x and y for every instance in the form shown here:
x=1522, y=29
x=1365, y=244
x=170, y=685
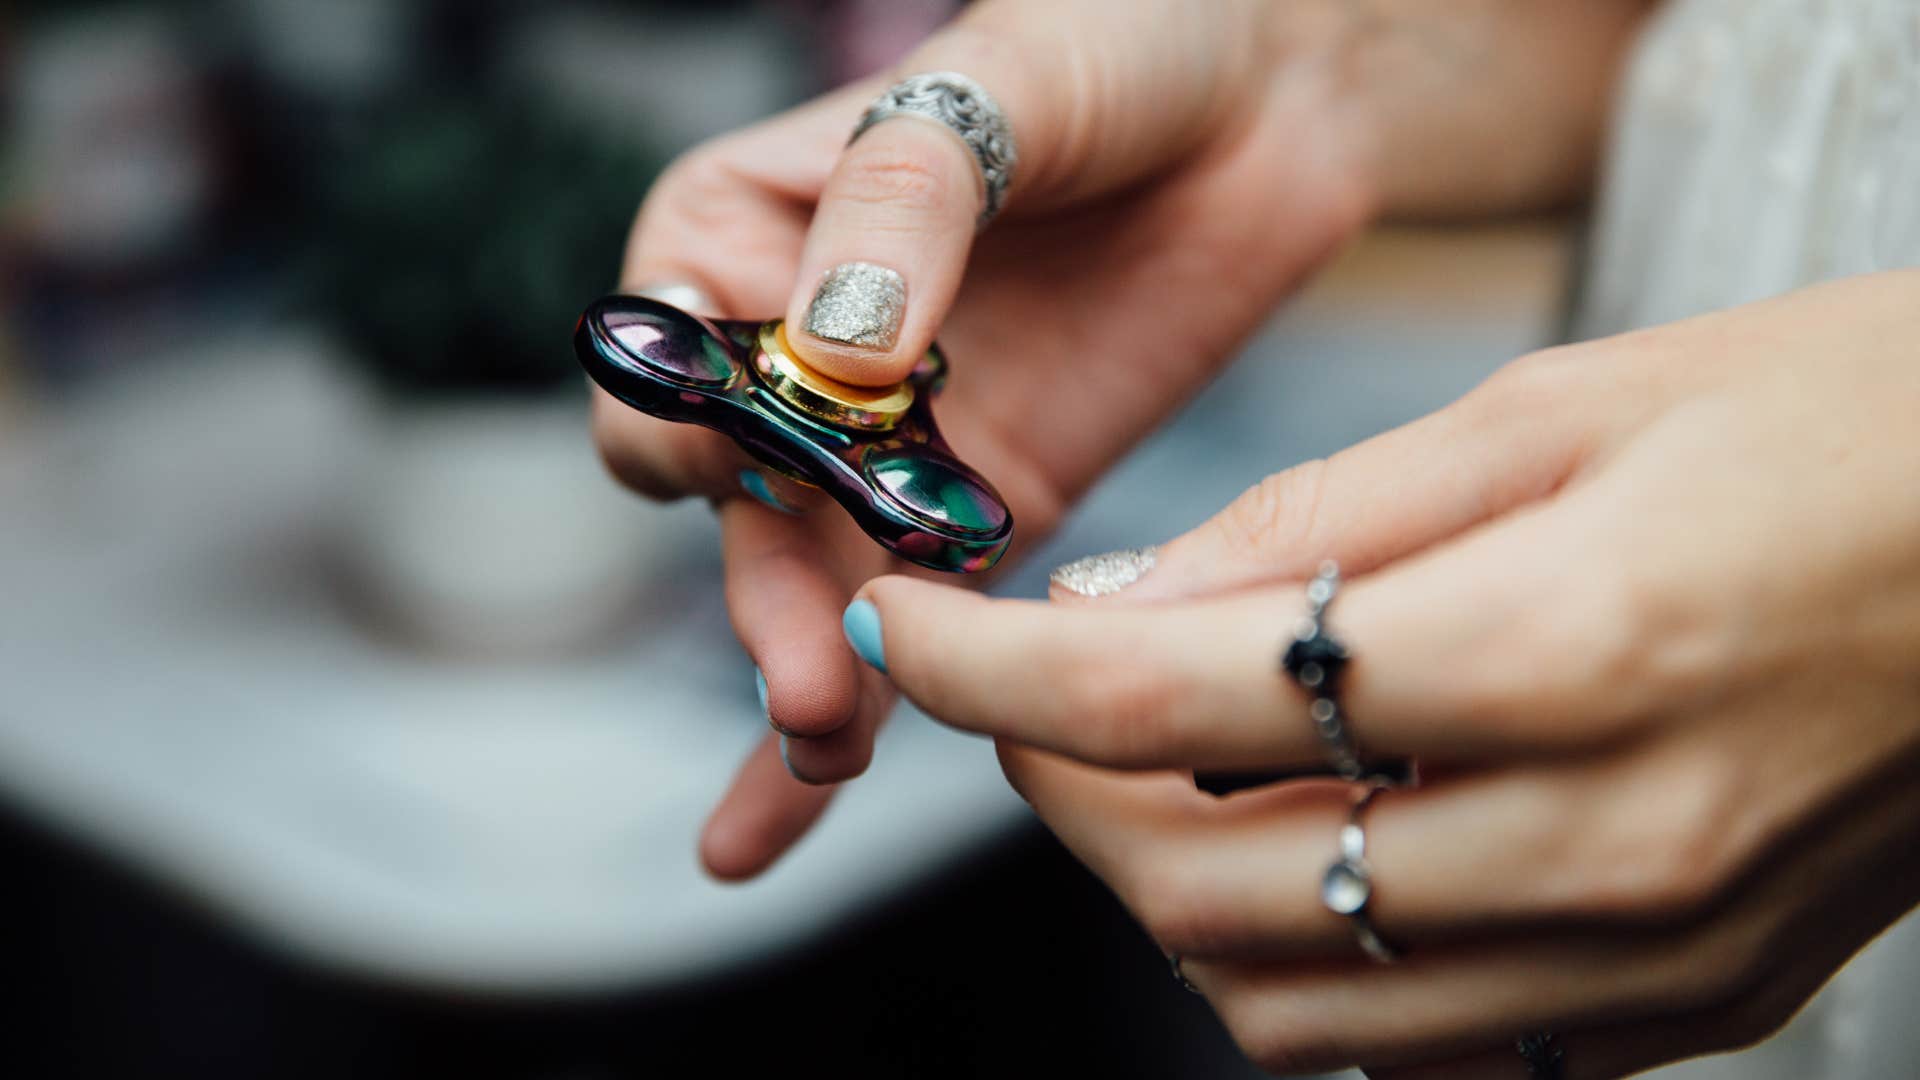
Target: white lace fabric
x=1760, y=146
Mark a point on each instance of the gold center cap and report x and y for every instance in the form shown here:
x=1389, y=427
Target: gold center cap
x=868, y=408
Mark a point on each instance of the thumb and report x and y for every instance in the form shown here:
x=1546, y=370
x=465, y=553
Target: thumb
x=896, y=218
x=1369, y=505
x=889, y=241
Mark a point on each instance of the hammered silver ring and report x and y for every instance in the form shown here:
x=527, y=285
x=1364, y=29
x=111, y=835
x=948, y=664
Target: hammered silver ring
x=965, y=108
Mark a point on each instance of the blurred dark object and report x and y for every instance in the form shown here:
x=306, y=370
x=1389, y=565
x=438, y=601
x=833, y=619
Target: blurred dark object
x=1397, y=772
x=1016, y=965
x=462, y=233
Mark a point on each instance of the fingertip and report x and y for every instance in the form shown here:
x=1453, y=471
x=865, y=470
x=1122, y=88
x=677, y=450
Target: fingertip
x=764, y=812
x=760, y=487
x=828, y=759
x=899, y=590
x=661, y=460
x=1015, y=761
x=894, y=616
x=725, y=854
x=885, y=253
x=850, y=364
x=860, y=623
x=784, y=606
x=805, y=699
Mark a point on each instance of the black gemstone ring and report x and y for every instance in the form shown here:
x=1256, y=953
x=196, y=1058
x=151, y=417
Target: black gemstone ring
x=1316, y=660
x=1543, y=1055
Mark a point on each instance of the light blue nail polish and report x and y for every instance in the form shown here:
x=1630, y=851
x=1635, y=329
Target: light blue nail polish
x=788, y=761
x=756, y=485
x=862, y=626
x=766, y=710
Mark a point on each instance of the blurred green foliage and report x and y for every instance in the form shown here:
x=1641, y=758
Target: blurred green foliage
x=462, y=236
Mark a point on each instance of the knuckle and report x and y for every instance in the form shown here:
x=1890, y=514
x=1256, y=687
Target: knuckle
x=1279, y=513
x=1176, y=909
x=1016, y=764
x=625, y=460
x=1740, y=1021
x=1585, y=654
x=1646, y=650
x=1752, y=1021
x=1532, y=379
x=1623, y=370
x=842, y=760
x=694, y=189
x=1668, y=848
x=1284, y=1049
x=1120, y=714
x=1696, y=974
x=896, y=178
x=1163, y=902
x=1662, y=884
x=1594, y=640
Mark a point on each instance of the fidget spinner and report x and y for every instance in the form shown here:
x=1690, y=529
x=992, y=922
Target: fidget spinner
x=875, y=450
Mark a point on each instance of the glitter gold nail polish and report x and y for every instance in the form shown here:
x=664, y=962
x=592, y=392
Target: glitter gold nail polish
x=858, y=303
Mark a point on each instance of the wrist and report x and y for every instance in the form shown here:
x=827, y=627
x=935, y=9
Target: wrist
x=1464, y=109
x=1325, y=116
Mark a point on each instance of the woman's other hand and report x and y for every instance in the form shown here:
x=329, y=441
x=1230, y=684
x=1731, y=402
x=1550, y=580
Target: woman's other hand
x=1647, y=609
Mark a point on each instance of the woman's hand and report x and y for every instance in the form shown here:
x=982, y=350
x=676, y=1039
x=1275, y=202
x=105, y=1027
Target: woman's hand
x=1647, y=610
x=1181, y=168
x=1171, y=188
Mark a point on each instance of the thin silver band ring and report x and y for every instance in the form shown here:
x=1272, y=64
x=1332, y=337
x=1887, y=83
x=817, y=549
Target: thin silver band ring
x=1180, y=974
x=1346, y=889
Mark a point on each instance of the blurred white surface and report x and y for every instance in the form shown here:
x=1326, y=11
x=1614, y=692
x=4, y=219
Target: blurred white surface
x=180, y=683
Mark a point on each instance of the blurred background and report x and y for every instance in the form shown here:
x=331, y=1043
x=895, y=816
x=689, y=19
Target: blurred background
x=352, y=722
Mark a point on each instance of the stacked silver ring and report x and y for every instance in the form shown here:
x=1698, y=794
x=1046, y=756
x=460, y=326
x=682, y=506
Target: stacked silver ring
x=1316, y=660
x=964, y=107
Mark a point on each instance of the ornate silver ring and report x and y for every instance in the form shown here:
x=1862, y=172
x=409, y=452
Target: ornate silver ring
x=1347, y=887
x=965, y=108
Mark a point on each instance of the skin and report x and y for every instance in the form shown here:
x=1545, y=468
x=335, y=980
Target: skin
x=1647, y=609
x=1147, y=150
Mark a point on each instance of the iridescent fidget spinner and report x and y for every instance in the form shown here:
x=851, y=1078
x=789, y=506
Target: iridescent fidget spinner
x=875, y=450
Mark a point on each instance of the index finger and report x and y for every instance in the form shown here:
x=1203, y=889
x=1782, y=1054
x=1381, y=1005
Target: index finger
x=1463, y=653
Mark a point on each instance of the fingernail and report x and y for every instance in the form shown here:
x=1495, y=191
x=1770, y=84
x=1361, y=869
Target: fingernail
x=858, y=303
x=760, y=687
x=681, y=294
x=862, y=626
x=756, y=485
x=1103, y=575
x=788, y=761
